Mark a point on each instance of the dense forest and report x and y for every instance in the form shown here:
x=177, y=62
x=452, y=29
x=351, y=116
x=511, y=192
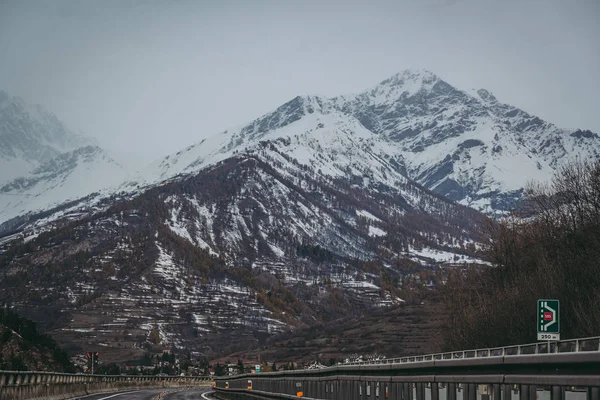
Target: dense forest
x=24, y=348
x=551, y=250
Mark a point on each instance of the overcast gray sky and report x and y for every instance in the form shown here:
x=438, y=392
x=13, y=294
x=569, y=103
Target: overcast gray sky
x=150, y=77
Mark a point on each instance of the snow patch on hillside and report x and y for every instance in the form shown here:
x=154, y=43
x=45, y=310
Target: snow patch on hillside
x=442, y=256
x=366, y=214
x=375, y=231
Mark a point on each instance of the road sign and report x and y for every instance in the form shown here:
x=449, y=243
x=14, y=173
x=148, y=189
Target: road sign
x=548, y=320
x=92, y=360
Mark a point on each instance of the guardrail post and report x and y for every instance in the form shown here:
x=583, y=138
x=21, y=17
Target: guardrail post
x=532, y=392
x=420, y=391
x=496, y=392
x=5, y=380
x=507, y=392
x=396, y=390
x=524, y=392
x=471, y=391
x=407, y=392
x=451, y=391
x=435, y=391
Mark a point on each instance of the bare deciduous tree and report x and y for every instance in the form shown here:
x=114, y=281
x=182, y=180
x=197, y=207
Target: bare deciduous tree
x=552, y=251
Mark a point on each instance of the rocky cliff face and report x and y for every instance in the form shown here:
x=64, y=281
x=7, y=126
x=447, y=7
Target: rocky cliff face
x=466, y=145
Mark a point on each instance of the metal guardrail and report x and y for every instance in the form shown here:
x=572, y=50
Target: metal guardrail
x=581, y=345
x=21, y=385
x=558, y=369
x=8, y=378
x=484, y=374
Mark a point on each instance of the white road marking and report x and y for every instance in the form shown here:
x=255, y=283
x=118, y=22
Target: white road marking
x=104, y=398
x=205, y=394
x=114, y=395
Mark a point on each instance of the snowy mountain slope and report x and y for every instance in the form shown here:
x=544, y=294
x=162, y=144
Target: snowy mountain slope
x=30, y=136
x=253, y=245
x=43, y=164
x=318, y=209
x=276, y=202
x=287, y=121
x=67, y=177
x=464, y=145
x=308, y=130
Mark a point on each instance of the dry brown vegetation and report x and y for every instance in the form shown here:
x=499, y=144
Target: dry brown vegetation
x=399, y=331
x=554, y=252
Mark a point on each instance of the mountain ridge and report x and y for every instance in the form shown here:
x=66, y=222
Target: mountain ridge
x=272, y=246
x=300, y=217
x=32, y=133
x=43, y=164
x=467, y=146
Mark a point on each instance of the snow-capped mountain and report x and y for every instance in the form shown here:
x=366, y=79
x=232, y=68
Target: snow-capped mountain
x=248, y=247
x=43, y=164
x=30, y=137
x=465, y=145
x=320, y=208
x=299, y=217
x=306, y=129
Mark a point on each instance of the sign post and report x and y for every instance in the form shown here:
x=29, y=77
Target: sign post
x=92, y=359
x=548, y=320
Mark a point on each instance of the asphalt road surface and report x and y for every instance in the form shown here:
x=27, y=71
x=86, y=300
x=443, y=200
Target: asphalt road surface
x=168, y=394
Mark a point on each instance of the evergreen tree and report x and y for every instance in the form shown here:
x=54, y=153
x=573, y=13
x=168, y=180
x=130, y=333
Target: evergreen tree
x=219, y=370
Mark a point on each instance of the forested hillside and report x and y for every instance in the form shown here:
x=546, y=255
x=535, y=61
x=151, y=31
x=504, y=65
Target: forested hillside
x=23, y=348
x=251, y=247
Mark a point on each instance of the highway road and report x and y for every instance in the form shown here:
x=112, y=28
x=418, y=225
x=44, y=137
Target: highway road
x=153, y=394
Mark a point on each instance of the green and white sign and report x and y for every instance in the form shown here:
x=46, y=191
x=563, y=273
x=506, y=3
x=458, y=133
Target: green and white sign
x=548, y=320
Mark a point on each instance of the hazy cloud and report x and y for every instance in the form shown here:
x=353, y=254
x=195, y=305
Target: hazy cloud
x=150, y=77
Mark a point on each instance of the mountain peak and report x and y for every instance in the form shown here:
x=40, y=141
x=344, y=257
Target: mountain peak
x=31, y=133
x=418, y=73
x=406, y=83
x=411, y=75
x=43, y=163
x=286, y=114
